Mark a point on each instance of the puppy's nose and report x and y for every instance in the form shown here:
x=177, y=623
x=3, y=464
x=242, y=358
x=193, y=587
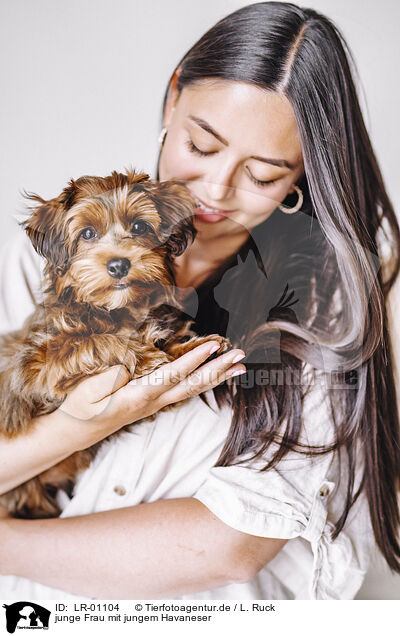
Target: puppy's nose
x=118, y=267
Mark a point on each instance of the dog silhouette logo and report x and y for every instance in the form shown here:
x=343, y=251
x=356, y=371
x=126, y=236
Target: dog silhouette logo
x=26, y=615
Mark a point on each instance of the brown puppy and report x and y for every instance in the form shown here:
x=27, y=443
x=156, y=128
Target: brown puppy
x=108, y=244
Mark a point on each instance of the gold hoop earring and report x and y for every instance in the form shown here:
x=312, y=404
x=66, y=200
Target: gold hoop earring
x=296, y=207
x=162, y=135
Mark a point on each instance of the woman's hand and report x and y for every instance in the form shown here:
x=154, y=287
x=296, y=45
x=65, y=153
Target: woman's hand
x=110, y=400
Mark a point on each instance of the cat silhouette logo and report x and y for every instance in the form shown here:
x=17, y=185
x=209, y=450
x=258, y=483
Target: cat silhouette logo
x=26, y=615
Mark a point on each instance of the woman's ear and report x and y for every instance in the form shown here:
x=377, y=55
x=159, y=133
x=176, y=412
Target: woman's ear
x=172, y=98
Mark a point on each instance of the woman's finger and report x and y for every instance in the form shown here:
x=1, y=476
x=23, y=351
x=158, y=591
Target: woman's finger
x=170, y=374
x=212, y=370
x=197, y=383
x=203, y=379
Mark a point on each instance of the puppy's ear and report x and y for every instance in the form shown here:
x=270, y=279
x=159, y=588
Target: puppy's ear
x=176, y=207
x=46, y=227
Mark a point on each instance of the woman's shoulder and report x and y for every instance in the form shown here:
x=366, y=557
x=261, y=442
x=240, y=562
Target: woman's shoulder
x=21, y=273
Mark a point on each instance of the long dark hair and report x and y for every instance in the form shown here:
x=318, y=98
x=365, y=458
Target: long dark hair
x=322, y=277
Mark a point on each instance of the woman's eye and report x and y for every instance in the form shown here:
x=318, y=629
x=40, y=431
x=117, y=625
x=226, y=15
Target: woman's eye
x=260, y=183
x=88, y=233
x=139, y=227
x=196, y=150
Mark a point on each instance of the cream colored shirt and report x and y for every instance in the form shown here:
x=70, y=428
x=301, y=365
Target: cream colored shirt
x=174, y=456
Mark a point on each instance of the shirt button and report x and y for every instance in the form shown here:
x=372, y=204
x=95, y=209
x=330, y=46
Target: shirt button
x=120, y=490
x=324, y=491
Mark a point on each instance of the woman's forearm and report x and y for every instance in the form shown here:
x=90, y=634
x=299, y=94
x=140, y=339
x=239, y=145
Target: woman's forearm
x=155, y=550
x=50, y=439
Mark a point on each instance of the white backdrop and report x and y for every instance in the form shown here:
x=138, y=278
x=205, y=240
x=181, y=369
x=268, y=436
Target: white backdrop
x=82, y=83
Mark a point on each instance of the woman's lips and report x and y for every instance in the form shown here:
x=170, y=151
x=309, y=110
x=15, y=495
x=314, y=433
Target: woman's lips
x=209, y=215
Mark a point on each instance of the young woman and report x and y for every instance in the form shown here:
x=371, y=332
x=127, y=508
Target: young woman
x=278, y=488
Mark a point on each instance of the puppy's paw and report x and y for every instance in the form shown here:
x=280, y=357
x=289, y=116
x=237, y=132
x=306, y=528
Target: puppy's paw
x=178, y=349
x=224, y=343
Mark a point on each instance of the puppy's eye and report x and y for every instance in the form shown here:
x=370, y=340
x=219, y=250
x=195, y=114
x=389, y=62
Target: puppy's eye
x=88, y=233
x=138, y=228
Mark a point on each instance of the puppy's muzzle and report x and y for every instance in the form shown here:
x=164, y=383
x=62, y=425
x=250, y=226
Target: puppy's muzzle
x=118, y=267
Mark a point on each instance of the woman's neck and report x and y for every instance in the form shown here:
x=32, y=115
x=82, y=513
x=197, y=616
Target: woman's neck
x=204, y=256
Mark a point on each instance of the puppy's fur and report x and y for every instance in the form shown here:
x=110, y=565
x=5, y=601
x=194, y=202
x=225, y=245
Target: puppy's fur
x=108, y=244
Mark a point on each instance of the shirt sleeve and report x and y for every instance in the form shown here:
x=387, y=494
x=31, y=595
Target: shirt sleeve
x=276, y=503
x=21, y=273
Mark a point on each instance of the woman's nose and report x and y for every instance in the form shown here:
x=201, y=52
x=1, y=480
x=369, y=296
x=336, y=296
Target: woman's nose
x=218, y=191
x=220, y=185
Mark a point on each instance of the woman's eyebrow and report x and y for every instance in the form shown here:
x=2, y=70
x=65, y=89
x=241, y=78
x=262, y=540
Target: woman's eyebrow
x=282, y=163
x=203, y=124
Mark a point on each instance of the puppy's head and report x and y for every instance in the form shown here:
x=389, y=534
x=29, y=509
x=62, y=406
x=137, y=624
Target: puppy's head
x=110, y=241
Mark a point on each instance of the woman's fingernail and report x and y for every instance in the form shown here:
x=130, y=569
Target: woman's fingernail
x=214, y=349
x=239, y=357
x=238, y=372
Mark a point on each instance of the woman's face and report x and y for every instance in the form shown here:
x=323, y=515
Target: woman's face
x=236, y=147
